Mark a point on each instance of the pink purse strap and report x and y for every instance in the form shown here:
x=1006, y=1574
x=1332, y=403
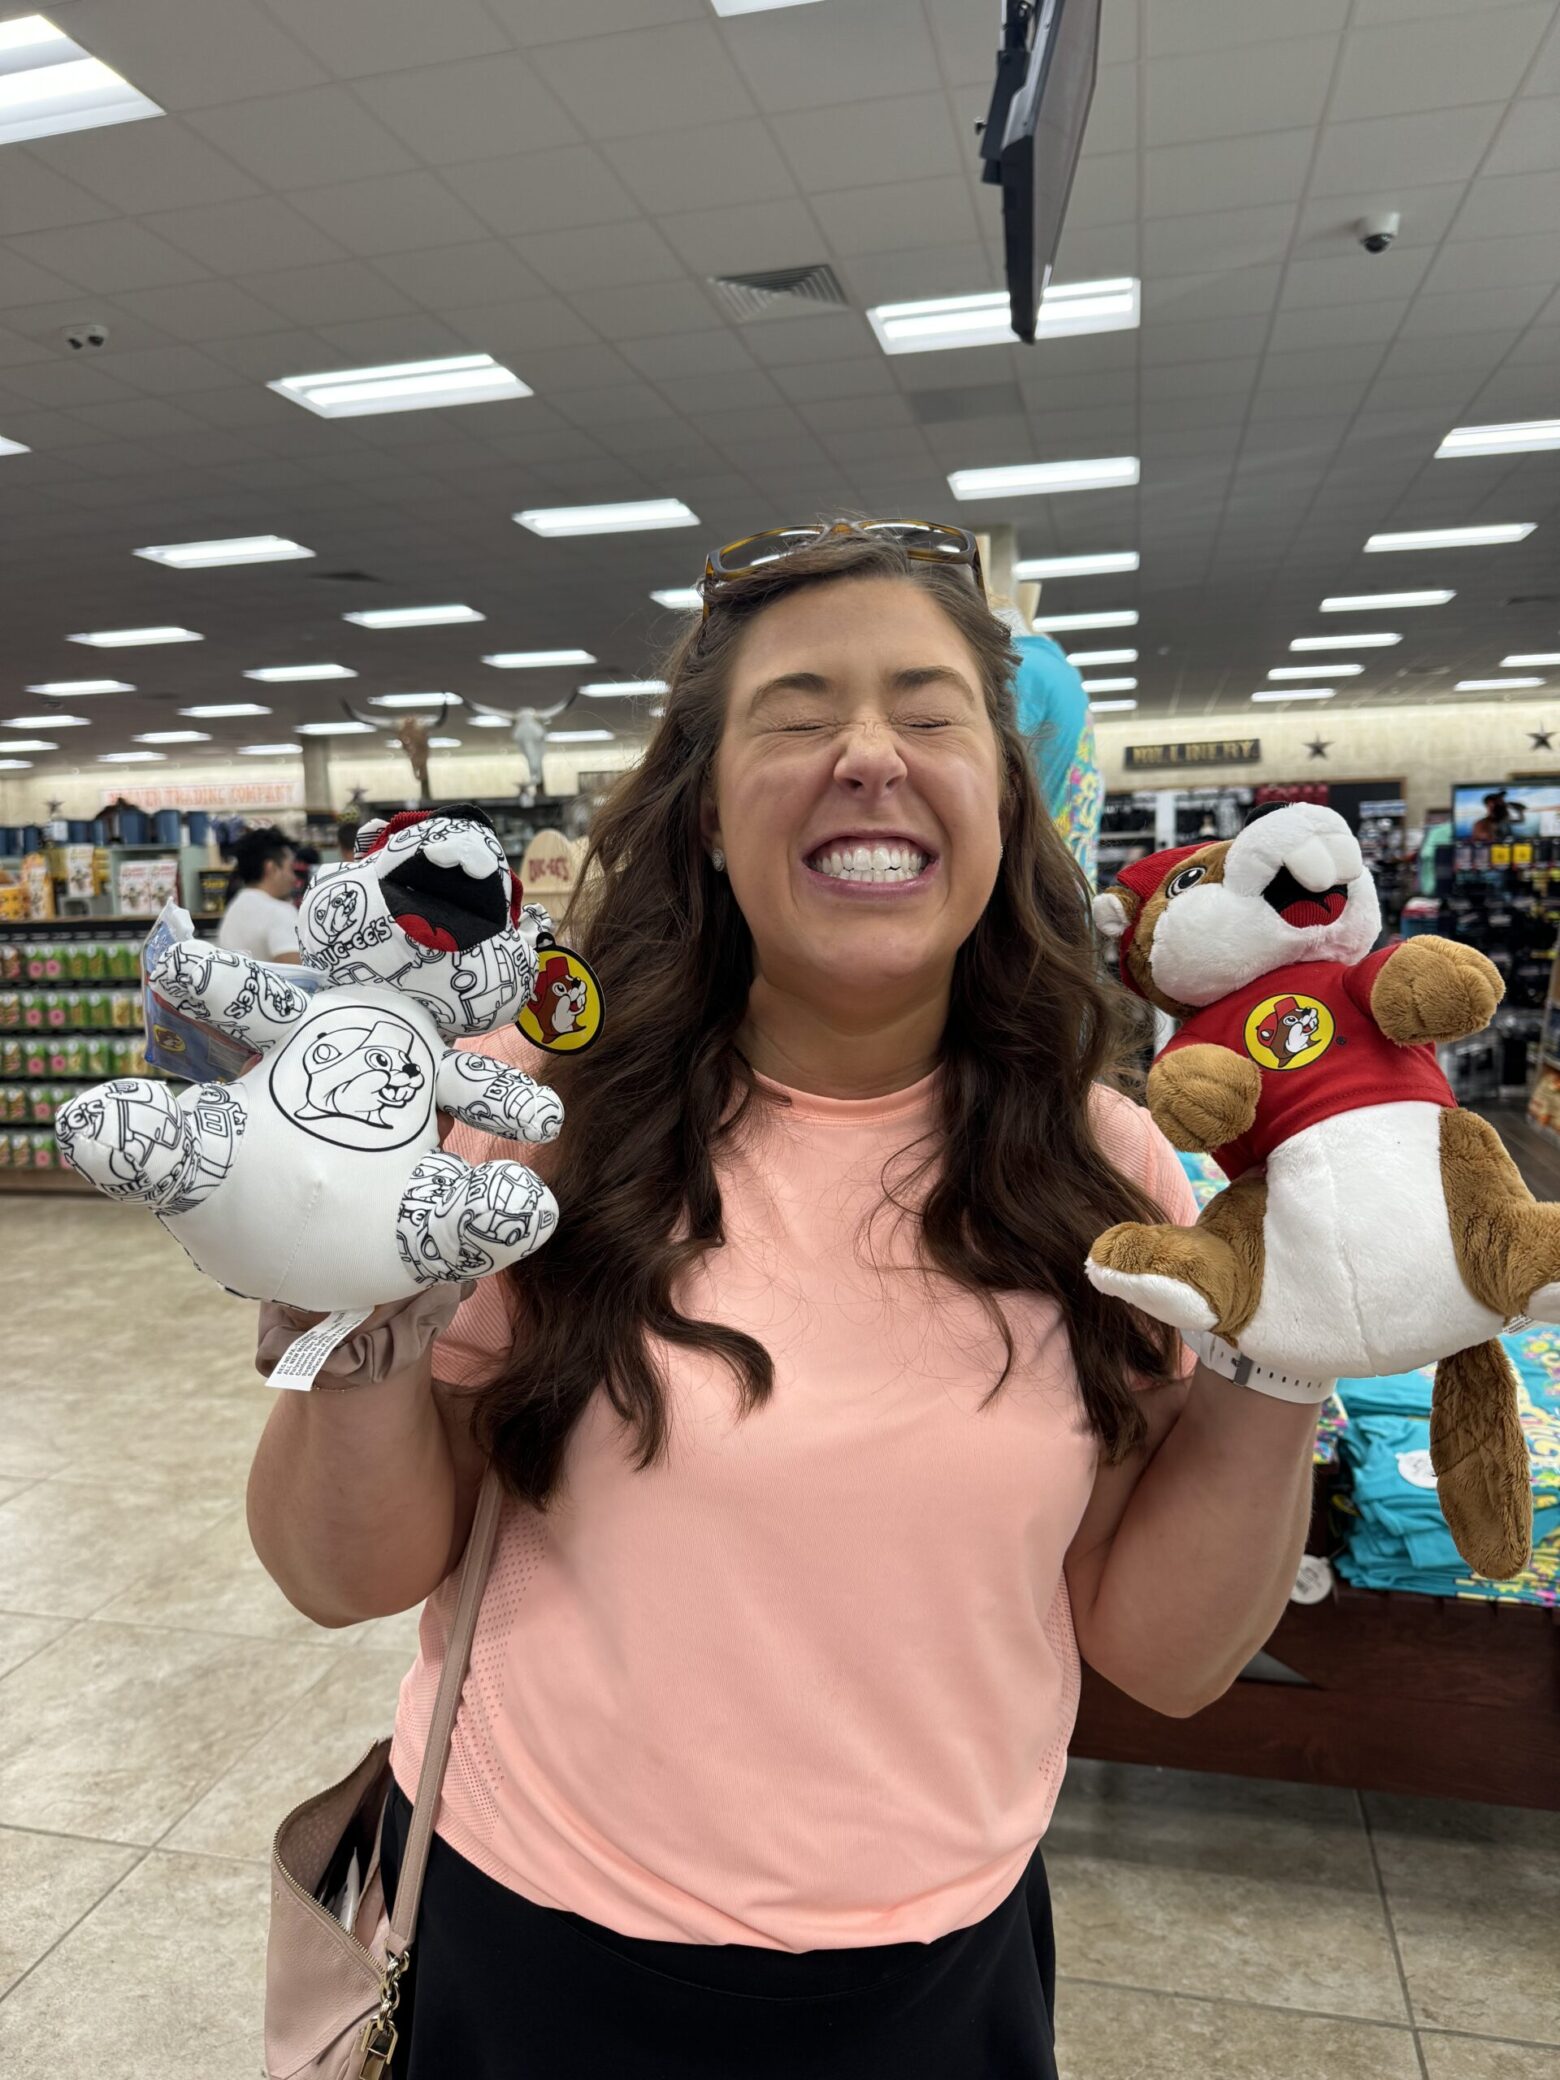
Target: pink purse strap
x=436, y=1752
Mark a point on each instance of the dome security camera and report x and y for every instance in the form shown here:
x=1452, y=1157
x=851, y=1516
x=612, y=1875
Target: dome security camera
x=1375, y=233
x=86, y=339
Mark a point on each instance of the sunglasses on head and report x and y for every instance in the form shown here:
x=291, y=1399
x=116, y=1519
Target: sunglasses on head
x=925, y=541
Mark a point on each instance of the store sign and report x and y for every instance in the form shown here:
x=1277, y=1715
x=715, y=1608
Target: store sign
x=548, y=867
x=217, y=794
x=1218, y=751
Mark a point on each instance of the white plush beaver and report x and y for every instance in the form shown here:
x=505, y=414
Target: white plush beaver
x=1369, y=1226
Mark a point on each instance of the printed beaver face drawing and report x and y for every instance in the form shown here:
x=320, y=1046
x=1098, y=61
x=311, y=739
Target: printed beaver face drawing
x=1199, y=921
x=1289, y=1029
x=560, y=999
x=358, y=1072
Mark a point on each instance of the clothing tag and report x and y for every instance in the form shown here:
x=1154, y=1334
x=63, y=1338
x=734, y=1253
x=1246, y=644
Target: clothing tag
x=305, y=1355
x=566, y=1009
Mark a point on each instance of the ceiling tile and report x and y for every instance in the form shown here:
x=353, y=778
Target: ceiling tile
x=1234, y=295
x=1336, y=325
x=1218, y=337
x=1239, y=173
x=201, y=310
x=135, y=167
x=520, y=326
x=1477, y=55
x=966, y=35
x=1395, y=153
x=168, y=371
x=330, y=294
x=1105, y=191
x=1493, y=312
x=902, y=138
x=1479, y=263
x=235, y=237
x=905, y=213
x=267, y=356
x=1177, y=26
x=475, y=109
x=305, y=140
x=551, y=371
x=137, y=418
x=1348, y=277
x=1528, y=202
x=1114, y=124
x=1096, y=255
x=66, y=384
x=1216, y=239
x=107, y=256
x=689, y=354
x=1529, y=140
x=666, y=78
x=783, y=342
x=393, y=215
x=400, y=336
x=747, y=239
x=810, y=380
x=807, y=57
x=168, y=50
x=353, y=37
x=486, y=271
x=543, y=191
x=647, y=311
x=34, y=197
x=564, y=21
x=714, y=166
x=599, y=256
x=916, y=271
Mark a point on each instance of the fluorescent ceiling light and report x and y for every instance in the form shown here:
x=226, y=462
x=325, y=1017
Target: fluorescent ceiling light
x=228, y=708
x=276, y=674
x=46, y=722
x=1532, y=657
x=1110, y=685
x=1521, y=437
x=13, y=447
x=1025, y=479
x=132, y=638
x=1110, y=707
x=412, y=617
x=402, y=386
x=57, y=86
x=984, y=320
x=1451, y=537
x=523, y=660
x=174, y=736
x=248, y=548
x=1379, y=641
x=607, y=689
x=130, y=758
x=444, y=744
x=269, y=750
x=1083, y=657
x=1118, y=617
x=73, y=689
x=1295, y=693
x=579, y=736
x=631, y=518
x=1040, y=567
x=682, y=599
x=489, y=721
x=15, y=765
x=31, y=744
x=755, y=6
x=1495, y=685
x=414, y=700
x=336, y=729
x=1309, y=671
x=1372, y=602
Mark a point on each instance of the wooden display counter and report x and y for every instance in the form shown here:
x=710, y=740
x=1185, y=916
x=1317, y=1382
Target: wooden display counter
x=1421, y=1695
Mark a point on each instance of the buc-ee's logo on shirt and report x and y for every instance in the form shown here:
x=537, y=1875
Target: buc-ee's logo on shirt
x=1288, y=1032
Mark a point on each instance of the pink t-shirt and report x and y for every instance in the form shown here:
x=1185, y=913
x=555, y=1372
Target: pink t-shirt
x=809, y=1685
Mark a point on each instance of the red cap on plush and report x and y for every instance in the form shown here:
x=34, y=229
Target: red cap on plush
x=1144, y=877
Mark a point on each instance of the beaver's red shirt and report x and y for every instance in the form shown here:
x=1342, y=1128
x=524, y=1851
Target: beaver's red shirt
x=1351, y=1064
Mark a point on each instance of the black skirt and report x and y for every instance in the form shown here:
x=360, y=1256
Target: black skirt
x=502, y=1989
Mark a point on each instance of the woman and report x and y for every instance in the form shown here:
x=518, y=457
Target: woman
x=824, y=1459
x=260, y=919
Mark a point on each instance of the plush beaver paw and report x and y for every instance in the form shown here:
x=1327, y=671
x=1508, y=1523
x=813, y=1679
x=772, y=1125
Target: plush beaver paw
x=1203, y=1097
x=1434, y=989
x=1115, y=1266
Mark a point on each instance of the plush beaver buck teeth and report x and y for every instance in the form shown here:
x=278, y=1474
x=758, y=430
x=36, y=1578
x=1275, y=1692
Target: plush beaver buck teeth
x=869, y=863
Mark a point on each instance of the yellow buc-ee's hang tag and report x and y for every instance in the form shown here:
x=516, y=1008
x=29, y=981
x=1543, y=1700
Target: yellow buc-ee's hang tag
x=565, y=1012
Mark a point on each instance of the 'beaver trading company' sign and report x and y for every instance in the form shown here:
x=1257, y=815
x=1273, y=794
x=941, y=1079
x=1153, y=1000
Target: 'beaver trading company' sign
x=1222, y=751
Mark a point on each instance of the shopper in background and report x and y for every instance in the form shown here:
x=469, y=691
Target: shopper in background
x=823, y=1459
x=305, y=860
x=346, y=837
x=260, y=919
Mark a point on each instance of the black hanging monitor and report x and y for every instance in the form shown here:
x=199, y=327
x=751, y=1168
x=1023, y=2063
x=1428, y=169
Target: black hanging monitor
x=1034, y=133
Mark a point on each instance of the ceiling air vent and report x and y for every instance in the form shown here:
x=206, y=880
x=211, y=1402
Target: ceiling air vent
x=346, y=578
x=749, y=296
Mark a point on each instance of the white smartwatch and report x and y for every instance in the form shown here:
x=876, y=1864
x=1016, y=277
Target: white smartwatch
x=1229, y=1363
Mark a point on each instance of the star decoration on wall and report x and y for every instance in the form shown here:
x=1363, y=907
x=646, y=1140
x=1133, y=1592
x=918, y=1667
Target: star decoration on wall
x=55, y=809
x=358, y=799
x=1317, y=747
x=1541, y=739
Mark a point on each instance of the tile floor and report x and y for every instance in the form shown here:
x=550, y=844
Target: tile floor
x=161, y=1707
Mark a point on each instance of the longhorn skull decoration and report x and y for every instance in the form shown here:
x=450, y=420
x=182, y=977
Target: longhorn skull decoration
x=528, y=733
x=415, y=738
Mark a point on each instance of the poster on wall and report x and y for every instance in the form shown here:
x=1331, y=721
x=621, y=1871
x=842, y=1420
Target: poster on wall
x=1488, y=812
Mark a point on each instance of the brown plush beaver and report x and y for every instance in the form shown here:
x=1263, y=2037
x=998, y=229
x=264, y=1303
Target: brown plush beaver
x=1370, y=1226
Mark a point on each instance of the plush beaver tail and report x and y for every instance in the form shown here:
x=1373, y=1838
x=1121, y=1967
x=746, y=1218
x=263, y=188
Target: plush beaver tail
x=1481, y=1460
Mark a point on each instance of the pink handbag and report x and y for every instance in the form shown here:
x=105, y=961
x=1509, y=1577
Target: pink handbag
x=330, y=1990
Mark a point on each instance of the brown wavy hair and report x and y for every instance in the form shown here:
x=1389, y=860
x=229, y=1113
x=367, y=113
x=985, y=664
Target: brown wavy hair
x=1031, y=1027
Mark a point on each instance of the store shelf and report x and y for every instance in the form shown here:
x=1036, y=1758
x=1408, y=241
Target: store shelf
x=58, y=1182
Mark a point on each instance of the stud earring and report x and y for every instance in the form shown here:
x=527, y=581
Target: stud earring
x=718, y=860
